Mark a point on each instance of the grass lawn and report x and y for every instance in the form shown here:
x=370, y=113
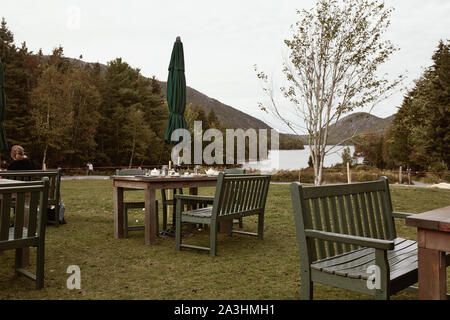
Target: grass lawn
x=245, y=268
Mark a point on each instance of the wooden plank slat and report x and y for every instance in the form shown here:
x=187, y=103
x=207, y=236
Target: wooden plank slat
x=5, y=216
x=336, y=226
x=327, y=225
x=387, y=216
x=32, y=213
x=372, y=197
x=19, y=215
x=370, y=215
x=357, y=214
x=308, y=218
x=344, y=222
x=342, y=189
x=318, y=226
x=360, y=197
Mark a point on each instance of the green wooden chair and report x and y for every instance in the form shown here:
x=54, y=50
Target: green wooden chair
x=30, y=198
x=141, y=204
x=346, y=234
x=236, y=196
x=169, y=202
x=236, y=171
x=127, y=205
x=54, y=190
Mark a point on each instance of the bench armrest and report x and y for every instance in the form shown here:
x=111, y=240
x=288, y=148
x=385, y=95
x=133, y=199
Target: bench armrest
x=401, y=215
x=195, y=198
x=356, y=240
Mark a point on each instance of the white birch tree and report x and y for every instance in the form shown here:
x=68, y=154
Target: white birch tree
x=335, y=53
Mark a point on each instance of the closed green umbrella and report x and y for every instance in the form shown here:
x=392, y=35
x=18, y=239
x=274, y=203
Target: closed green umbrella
x=176, y=92
x=3, y=143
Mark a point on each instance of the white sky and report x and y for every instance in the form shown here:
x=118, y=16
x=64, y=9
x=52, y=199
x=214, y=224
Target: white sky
x=222, y=39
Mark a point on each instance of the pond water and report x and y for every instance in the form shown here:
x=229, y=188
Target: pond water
x=296, y=159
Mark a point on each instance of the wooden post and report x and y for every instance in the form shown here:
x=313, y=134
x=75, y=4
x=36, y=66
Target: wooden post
x=409, y=175
x=169, y=194
x=349, y=175
x=400, y=175
x=299, y=171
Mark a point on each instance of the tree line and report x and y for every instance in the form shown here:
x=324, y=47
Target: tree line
x=65, y=112
x=419, y=135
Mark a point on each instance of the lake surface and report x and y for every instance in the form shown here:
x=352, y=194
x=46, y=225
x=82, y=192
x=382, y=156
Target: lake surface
x=296, y=159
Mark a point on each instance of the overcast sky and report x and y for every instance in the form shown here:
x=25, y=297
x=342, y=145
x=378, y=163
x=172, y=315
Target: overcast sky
x=222, y=40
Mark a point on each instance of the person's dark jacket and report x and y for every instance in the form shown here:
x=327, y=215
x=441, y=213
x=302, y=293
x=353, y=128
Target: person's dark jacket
x=23, y=164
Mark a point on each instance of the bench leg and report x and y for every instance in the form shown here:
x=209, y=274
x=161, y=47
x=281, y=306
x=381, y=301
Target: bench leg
x=157, y=217
x=40, y=266
x=261, y=226
x=306, y=287
x=213, y=239
x=178, y=231
x=19, y=259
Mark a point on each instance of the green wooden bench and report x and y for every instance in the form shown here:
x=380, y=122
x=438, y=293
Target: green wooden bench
x=30, y=198
x=236, y=196
x=344, y=232
x=54, y=189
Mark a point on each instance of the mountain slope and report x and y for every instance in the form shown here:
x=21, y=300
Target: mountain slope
x=353, y=125
x=225, y=113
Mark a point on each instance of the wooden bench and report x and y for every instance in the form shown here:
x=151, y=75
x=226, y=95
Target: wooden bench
x=345, y=232
x=236, y=196
x=54, y=189
x=30, y=205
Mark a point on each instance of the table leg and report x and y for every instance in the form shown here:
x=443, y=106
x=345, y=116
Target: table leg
x=150, y=216
x=118, y=212
x=432, y=275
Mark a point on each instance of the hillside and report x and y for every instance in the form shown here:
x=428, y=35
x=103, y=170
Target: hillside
x=354, y=125
x=225, y=113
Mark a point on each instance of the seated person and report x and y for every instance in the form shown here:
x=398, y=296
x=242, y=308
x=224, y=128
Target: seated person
x=20, y=160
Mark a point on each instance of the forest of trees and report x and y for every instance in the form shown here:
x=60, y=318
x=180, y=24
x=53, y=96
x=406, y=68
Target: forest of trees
x=419, y=136
x=65, y=112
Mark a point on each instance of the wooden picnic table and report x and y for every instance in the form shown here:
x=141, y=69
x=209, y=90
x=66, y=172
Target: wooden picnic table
x=433, y=229
x=150, y=185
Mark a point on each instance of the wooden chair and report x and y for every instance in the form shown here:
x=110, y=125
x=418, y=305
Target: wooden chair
x=169, y=202
x=236, y=196
x=132, y=204
x=54, y=190
x=346, y=234
x=236, y=171
x=29, y=223
x=140, y=204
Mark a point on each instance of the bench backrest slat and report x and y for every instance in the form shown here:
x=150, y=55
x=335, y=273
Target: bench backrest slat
x=29, y=198
x=360, y=209
x=5, y=216
x=240, y=193
x=130, y=172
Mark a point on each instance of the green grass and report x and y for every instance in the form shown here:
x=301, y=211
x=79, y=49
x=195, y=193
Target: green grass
x=245, y=268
